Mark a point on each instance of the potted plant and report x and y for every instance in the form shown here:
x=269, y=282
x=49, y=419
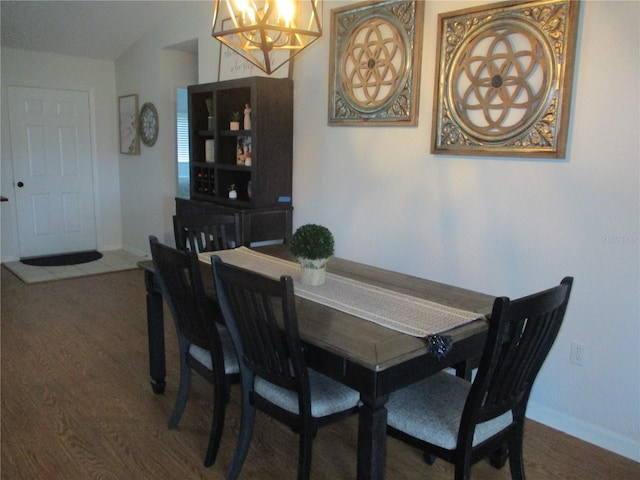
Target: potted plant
x=234, y=124
x=312, y=245
x=233, y=193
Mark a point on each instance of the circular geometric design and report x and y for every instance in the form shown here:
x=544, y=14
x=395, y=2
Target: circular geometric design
x=499, y=82
x=373, y=64
x=148, y=124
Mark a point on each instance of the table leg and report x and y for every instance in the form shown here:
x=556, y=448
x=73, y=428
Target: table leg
x=372, y=438
x=155, y=332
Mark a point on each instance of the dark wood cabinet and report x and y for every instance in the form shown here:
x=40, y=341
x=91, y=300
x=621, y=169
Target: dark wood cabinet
x=262, y=175
x=256, y=160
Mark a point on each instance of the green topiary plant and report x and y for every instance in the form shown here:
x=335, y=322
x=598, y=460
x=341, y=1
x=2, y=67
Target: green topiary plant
x=235, y=116
x=312, y=241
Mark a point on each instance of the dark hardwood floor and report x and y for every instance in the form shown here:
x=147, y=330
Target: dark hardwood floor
x=76, y=404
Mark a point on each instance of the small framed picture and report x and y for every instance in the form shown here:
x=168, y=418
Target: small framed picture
x=128, y=121
x=244, y=151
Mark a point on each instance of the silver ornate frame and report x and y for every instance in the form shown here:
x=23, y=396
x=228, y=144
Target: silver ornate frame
x=375, y=63
x=504, y=79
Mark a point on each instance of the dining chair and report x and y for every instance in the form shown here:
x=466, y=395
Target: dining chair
x=204, y=342
x=463, y=422
x=207, y=232
x=261, y=316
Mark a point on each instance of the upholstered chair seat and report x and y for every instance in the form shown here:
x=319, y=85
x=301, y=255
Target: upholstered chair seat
x=327, y=396
x=463, y=422
x=431, y=410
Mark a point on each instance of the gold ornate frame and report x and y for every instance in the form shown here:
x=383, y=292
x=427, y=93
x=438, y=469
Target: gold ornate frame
x=375, y=63
x=504, y=79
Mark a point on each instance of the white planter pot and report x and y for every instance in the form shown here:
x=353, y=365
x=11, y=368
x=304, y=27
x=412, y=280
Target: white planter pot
x=313, y=272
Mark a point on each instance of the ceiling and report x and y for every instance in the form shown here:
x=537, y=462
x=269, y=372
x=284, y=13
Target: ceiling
x=95, y=29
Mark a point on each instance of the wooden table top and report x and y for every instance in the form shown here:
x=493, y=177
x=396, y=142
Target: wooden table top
x=365, y=343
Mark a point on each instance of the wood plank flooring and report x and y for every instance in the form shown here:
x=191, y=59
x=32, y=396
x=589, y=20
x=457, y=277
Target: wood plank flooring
x=76, y=404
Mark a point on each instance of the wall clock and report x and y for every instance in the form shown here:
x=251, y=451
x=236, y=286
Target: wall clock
x=148, y=124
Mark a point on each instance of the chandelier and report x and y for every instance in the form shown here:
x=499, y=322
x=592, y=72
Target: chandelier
x=268, y=33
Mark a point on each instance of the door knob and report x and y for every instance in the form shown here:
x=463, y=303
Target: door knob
x=20, y=184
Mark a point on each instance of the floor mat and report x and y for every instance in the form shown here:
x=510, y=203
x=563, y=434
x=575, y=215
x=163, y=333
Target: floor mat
x=64, y=259
x=111, y=261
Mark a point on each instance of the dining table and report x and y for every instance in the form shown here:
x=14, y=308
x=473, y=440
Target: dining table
x=370, y=356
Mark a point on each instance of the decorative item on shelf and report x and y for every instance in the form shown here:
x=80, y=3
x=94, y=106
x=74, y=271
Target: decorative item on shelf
x=247, y=117
x=234, y=124
x=262, y=29
x=210, y=119
x=312, y=245
x=243, y=149
x=233, y=193
x=249, y=189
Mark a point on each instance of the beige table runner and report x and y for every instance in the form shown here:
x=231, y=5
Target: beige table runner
x=404, y=313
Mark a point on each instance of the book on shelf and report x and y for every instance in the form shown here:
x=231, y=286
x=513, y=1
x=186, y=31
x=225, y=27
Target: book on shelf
x=208, y=151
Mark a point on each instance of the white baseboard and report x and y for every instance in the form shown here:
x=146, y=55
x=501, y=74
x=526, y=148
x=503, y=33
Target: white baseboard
x=627, y=447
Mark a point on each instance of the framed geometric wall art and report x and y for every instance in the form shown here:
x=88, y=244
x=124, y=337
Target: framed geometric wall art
x=504, y=77
x=375, y=63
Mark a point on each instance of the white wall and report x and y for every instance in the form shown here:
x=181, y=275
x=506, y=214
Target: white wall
x=148, y=182
x=32, y=69
x=503, y=226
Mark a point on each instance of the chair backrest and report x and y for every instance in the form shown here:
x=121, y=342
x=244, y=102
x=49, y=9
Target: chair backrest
x=206, y=233
x=521, y=333
x=178, y=274
x=261, y=317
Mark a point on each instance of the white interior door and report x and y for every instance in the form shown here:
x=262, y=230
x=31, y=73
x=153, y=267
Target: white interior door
x=52, y=166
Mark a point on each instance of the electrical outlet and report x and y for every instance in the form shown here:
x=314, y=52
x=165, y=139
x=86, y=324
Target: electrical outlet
x=577, y=353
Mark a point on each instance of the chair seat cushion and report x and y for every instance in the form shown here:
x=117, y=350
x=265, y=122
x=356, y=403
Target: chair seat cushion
x=203, y=356
x=431, y=409
x=327, y=395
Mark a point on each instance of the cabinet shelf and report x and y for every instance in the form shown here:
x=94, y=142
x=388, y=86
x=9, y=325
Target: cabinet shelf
x=217, y=153
x=206, y=133
x=221, y=166
x=235, y=133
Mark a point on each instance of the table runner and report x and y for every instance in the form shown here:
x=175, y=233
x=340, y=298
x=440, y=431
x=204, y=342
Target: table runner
x=403, y=313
